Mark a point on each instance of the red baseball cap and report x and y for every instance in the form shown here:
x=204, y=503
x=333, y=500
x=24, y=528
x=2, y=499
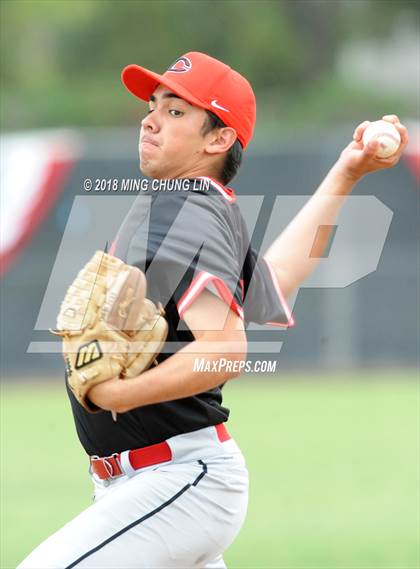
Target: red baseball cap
x=205, y=82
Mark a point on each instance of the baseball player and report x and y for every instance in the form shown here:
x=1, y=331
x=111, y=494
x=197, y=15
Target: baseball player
x=171, y=485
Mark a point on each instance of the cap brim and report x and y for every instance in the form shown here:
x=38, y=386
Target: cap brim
x=141, y=82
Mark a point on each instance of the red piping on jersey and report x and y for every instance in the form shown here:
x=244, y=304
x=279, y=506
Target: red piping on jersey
x=283, y=301
x=200, y=281
x=227, y=193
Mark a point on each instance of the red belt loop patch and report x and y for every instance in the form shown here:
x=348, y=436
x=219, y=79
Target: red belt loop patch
x=222, y=433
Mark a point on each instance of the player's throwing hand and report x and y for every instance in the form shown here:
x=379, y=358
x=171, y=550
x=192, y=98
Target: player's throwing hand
x=358, y=159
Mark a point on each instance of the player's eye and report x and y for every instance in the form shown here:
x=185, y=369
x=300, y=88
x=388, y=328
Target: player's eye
x=175, y=113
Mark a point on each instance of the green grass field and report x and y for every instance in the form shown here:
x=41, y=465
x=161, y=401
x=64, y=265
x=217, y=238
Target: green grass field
x=334, y=466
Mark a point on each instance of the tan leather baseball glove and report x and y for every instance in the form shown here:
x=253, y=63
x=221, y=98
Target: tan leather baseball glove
x=109, y=328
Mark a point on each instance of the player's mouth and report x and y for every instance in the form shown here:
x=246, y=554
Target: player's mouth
x=147, y=140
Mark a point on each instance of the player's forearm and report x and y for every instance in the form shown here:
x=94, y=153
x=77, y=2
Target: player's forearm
x=175, y=378
x=295, y=254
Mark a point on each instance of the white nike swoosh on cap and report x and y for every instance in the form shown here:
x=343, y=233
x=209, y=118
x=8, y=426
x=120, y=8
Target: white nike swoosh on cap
x=214, y=104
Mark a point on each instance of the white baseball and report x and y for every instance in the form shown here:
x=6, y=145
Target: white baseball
x=386, y=134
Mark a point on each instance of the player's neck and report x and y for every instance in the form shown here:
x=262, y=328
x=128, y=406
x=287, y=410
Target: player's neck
x=197, y=171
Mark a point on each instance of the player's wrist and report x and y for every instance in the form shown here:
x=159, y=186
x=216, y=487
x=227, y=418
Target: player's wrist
x=344, y=178
x=107, y=395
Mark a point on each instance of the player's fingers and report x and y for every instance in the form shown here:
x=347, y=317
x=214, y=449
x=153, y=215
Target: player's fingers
x=370, y=149
x=359, y=130
x=390, y=161
x=403, y=133
x=391, y=118
x=354, y=145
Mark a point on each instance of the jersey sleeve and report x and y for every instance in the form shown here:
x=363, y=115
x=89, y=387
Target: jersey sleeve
x=187, y=247
x=264, y=302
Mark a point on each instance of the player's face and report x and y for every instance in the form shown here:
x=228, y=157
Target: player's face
x=171, y=144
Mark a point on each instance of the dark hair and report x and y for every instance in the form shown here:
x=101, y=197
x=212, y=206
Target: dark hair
x=233, y=157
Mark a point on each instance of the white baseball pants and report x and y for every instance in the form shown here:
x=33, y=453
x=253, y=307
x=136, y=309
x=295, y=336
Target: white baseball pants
x=179, y=514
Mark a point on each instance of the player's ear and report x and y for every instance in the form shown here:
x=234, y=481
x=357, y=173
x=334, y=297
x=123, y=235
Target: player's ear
x=220, y=140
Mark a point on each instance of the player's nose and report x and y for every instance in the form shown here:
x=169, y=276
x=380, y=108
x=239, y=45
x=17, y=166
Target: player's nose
x=151, y=122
